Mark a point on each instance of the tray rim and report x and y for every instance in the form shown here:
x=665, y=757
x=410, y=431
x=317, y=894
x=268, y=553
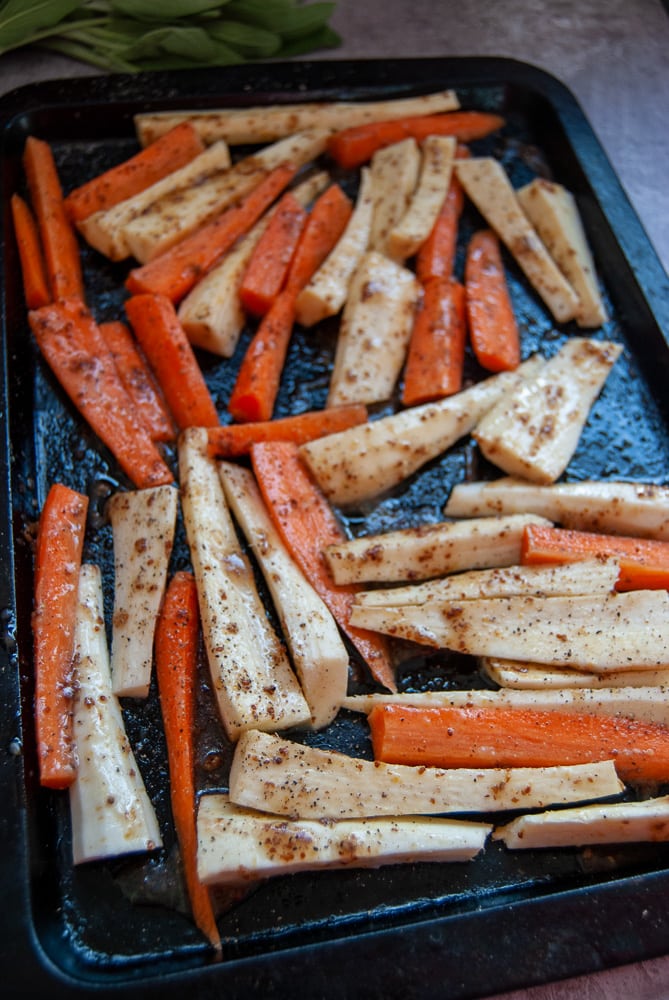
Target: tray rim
x=637, y=898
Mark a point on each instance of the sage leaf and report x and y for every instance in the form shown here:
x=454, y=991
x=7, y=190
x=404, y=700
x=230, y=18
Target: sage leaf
x=247, y=40
x=164, y=11
x=20, y=21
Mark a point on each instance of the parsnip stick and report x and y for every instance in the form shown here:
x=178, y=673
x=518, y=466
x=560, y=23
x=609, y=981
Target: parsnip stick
x=269, y=122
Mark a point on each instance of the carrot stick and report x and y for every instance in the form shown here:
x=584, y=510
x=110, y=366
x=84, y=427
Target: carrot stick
x=255, y=389
x=176, y=649
x=517, y=737
x=35, y=282
x=73, y=347
x=493, y=330
x=352, y=147
x=325, y=224
x=61, y=251
x=60, y=540
x=436, y=257
x=236, y=439
x=307, y=523
x=644, y=562
x=436, y=355
x=267, y=268
x=171, y=357
x=138, y=380
x=176, y=271
x=171, y=151
x=259, y=376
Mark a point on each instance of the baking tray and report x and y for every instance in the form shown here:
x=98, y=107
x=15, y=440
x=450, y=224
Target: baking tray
x=505, y=920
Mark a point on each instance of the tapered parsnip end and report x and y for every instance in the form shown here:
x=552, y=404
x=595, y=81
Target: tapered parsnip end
x=143, y=523
x=254, y=684
x=617, y=823
x=533, y=432
x=487, y=184
x=326, y=293
x=521, y=675
x=553, y=212
x=106, y=230
x=111, y=812
x=587, y=577
x=317, y=649
x=361, y=463
x=648, y=704
x=272, y=774
x=610, y=507
x=429, y=550
x=239, y=126
x=414, y=227
x=375, y=331
x=237, y=845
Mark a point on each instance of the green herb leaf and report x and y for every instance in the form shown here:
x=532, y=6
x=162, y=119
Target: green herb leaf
x=164, y=11
x=322, y=38
x=247, y=40
x=19, y=21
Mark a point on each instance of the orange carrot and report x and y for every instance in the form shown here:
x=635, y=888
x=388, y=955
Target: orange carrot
x=518, y=737
x=436, y=257
x=35, y=282
x=493, y=330
x=436, y=355
x=307, y=523
x=60, y=540
x=267, y=268
x=259, y=376
x=176, y=271
x=325, y=224
x=644, y=562
x=352, y=147
x=176, y=647
x=236, y=439
x=59, y=242
x=171, y=151
x=138, y=380
x=73, y=347
x=171, y=357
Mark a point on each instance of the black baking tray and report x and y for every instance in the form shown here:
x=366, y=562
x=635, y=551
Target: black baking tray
x=503, y=921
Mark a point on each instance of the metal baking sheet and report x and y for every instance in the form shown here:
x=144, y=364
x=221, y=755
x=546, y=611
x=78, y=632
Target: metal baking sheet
x=503, y=921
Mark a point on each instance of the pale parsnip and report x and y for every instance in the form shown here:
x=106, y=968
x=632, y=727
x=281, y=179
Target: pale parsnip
x=429, y=550
x=253, y=682
x=612, y=507
x=395, y=170
x=272, y=774
x=106, y=230
x=270, y=122
x=175, y=216
x=238, y=845
x=647, y=704
x=416, y=224
x=533, y=431
x=143, y=524
x=317, y=649
x=363, y=462
x=326, y=293
x=520, y=675
x=111, y=812
x=487, y=184
x=374, y=332
x=587, y=577
x=552, y=210
x=212, y=314
x=614, y=823
x=598, y=633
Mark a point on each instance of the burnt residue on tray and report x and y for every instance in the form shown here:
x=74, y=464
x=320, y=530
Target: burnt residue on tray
x=126, y=922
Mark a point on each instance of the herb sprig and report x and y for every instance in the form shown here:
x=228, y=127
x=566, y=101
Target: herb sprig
x=133, y=35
